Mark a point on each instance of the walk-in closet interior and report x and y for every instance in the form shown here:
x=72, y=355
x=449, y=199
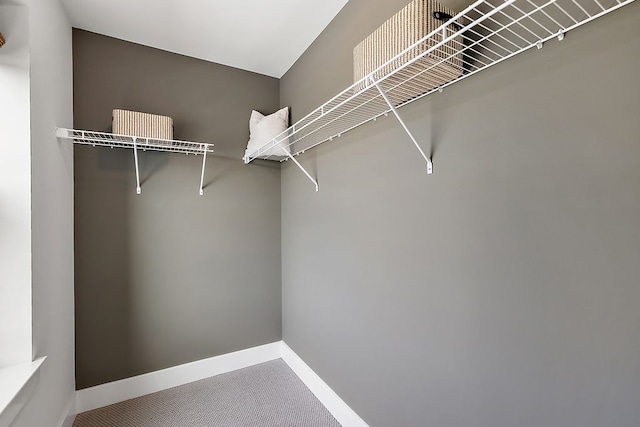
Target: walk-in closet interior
x=355, y=212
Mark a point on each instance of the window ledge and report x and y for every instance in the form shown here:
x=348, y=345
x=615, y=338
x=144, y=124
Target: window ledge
x=17, y=385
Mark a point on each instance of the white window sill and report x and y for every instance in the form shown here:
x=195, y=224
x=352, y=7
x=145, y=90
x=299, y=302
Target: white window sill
x=17, y=385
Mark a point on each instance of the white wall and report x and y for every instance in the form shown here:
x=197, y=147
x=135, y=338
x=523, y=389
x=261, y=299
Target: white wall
x=52, y=213
x=15, y=189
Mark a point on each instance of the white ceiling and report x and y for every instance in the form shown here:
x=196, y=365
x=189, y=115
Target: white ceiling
x=264, y=36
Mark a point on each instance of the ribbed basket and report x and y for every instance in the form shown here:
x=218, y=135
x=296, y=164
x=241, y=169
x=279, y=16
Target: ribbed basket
x=142, y=124
x=412, y=23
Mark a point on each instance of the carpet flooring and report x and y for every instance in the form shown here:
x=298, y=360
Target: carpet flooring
x=265, y=395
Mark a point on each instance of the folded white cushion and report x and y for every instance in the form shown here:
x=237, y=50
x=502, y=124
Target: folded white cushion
x=264, y=128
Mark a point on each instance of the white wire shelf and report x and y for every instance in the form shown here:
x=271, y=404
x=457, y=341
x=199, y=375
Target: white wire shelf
x=103, y=139
x=485, y=33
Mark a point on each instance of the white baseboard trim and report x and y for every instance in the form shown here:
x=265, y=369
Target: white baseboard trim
x=69, y=413
x=329, y=398
x=129, y=388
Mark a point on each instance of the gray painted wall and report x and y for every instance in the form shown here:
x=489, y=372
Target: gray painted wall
x=503, y=289
x=169, y=277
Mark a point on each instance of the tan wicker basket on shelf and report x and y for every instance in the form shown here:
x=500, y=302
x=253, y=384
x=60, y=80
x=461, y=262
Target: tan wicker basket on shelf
x=412, y=23
x=142, y=124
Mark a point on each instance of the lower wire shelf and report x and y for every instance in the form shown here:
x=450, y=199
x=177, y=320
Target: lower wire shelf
x=104, y=139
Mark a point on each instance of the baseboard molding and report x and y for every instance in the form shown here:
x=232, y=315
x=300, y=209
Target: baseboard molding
x=70, y=413
x=329, y=398
x=129, y=388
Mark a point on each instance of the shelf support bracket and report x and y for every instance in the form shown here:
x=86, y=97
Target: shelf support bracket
x=204, y=164
x=299, y=165
x=135, y=157
x=406, y=129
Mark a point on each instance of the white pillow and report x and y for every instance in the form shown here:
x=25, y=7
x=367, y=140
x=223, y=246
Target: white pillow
x=264, y=128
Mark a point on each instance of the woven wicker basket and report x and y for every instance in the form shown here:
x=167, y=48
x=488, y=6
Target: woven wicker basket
x=411, y=24
x=142, y=124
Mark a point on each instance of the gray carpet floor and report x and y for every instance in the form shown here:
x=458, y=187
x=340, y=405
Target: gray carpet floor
x=264, y=395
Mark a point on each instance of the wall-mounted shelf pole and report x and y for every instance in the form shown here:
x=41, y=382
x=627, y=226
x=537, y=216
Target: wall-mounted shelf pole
x=406, y=129
x=135, y=157
x=300, y=166
x=204, y=164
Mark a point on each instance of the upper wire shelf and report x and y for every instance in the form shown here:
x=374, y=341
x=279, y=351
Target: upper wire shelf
x=485, y=33
x=103, y=139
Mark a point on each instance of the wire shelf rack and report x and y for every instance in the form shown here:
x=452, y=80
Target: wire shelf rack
x=485, y=33
x=103, y=139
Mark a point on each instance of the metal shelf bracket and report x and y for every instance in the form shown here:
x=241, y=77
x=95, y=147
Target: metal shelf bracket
x=406, y=129
x=135, y=157
x=204, y=164
x=299, y=165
